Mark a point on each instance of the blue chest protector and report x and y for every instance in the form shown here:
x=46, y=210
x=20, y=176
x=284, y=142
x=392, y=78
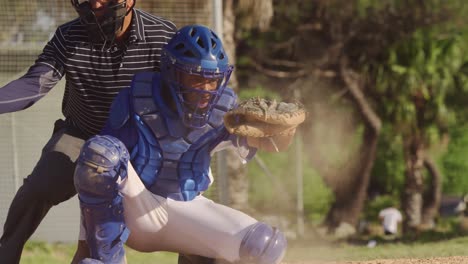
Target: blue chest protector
x=171, y=159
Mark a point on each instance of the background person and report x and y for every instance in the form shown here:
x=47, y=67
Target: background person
x=390, y=218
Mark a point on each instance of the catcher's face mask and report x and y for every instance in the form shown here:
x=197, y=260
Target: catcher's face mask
x=103, y=18
x=197, y=92
x=195, y=68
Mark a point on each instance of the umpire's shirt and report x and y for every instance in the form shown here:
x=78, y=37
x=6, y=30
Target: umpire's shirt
x=94, y=74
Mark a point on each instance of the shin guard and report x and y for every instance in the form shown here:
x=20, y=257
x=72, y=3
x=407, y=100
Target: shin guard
x=101, y=166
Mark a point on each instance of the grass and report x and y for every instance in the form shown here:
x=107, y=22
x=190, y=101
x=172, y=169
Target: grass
x=383, y=250
x=42, y=253
x=59, y=253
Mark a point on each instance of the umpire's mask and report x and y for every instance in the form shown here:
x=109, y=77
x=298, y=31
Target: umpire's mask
x=104, y=22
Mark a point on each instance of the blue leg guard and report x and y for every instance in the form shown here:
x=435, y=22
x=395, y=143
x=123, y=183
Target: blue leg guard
x=102, y=163
x=263, y=244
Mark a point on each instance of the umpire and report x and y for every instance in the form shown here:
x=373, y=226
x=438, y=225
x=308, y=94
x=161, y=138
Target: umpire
x=98, y=54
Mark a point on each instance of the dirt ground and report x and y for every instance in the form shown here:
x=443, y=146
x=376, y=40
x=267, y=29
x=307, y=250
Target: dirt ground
x=445, y=260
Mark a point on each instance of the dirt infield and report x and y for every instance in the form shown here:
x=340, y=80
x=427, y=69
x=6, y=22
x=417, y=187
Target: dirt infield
x=445, y=260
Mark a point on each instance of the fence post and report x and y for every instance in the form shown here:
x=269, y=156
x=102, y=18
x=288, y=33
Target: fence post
x=299, y=177
x=221, y=170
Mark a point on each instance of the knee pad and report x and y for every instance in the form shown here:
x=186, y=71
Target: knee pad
x=263, y=244
x=103, y=159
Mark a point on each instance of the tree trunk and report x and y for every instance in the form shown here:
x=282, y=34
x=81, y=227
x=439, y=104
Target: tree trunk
x=432, y=196
x=229, y=32
x=351, y=194
x=414, y=185
x=236, y=171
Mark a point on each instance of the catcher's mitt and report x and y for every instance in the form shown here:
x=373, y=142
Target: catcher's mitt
x=270, y=122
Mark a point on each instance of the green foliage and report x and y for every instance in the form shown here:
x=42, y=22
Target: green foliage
x=446, y=228
x=258, y=91
x=363, y=6
x=278, y=193
x=417, y=77
x=455, y=162
x=263, y=194
x=389, y=167
x=420, y=75
x=416, y=83
x=317, y=196
x=373, y=207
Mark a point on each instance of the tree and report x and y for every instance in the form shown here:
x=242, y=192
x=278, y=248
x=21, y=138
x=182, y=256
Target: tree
x=350, y=40
x=419, y=74
x=239, y=15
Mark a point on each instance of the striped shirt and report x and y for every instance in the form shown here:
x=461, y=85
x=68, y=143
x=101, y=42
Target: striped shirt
x=94, y=74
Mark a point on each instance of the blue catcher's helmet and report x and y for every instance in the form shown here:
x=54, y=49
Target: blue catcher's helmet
x=197, y=52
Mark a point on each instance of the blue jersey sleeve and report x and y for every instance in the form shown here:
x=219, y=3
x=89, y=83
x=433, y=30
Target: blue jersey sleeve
x=120, y=124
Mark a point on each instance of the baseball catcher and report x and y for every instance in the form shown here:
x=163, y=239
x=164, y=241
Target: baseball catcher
x=142, y=181
x=267, y=124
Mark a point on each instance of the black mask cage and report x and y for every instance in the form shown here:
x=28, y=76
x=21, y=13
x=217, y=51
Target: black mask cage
x=102, y=23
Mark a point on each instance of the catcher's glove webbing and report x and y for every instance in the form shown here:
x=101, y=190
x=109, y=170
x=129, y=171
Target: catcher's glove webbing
x=266, y=119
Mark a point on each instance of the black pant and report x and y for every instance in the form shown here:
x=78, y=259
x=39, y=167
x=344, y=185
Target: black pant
x=50, y=183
